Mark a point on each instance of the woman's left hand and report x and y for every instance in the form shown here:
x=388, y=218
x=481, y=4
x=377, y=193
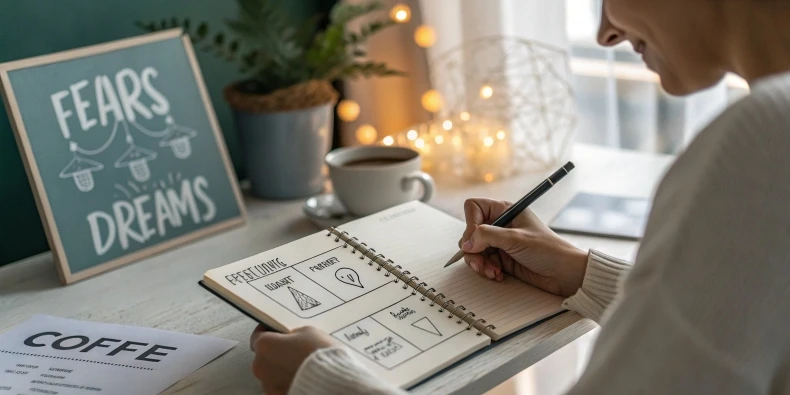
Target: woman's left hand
x=279, y=356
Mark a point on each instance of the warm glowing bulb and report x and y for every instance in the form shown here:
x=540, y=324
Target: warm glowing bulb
x=419, y=143
x=488, y=177
x=465, y=116
x=425, y=36
x=348, y=110
x=488, y=141
x=439, y=139
x=486, y=91
x=500, y=135
x=432, y=101
x=411, y=135
x=366, y=134
x=400, y=13
x=388, y=140
x=447, y=125
x=456, y=140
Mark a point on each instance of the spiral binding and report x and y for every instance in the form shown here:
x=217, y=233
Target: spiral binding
x=391, y=269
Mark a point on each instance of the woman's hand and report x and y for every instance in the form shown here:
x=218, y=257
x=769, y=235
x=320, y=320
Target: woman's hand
x=526, y=249
x=279, y=356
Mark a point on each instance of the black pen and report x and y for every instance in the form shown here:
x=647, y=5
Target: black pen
x=522, y=204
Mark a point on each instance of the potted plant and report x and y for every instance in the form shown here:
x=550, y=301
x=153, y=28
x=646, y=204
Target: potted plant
x=283, y=108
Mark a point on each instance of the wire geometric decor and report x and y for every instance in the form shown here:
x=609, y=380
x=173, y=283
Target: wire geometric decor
x=506, y=106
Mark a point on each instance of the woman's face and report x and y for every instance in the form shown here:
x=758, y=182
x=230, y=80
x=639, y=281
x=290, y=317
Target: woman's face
x=678, y=39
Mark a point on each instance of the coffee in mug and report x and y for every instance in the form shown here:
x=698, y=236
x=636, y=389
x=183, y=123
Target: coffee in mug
x=371, y=162
x=370, y=179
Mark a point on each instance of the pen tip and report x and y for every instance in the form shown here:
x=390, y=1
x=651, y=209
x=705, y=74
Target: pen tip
x=455, y=258
x=569, y=166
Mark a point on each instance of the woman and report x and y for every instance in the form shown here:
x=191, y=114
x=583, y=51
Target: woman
x=706, y=307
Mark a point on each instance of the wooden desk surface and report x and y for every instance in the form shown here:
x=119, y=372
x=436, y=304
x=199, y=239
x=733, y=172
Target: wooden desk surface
x=162, y=291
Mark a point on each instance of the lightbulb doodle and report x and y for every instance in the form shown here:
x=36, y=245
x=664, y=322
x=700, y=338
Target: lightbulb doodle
x=348, y=276
x=137, y=159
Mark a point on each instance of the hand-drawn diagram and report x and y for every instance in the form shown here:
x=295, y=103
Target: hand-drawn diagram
x=305, y=302
x=348, y=276
x=425, y=324
x=81, y=170
x=178, y=139
x=383, y=348
x=135, y=158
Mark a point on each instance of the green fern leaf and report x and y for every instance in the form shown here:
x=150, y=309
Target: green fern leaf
x=367, y=31
x=278, y=53
x=202, y=30
x=344, y=13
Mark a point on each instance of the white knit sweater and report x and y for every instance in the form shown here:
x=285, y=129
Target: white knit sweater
x=706, y=307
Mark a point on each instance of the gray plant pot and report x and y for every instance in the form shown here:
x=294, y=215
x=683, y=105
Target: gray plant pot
x=284, y=151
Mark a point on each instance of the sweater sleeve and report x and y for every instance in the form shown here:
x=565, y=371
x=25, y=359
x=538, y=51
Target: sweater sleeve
x=704, y=309
x=334, y=371
x=599, y=287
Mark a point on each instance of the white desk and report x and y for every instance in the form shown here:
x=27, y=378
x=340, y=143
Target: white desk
x=162, y=291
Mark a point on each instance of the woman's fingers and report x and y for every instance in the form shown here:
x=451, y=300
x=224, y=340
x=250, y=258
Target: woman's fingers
x=256, y=334
x=487, y=236
x=484, y=266
x=481, y=211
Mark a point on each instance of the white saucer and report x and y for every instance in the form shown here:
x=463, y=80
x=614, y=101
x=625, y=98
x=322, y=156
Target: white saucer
x=326, y=210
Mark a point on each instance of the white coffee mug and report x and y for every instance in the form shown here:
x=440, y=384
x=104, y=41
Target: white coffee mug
x=369, y=179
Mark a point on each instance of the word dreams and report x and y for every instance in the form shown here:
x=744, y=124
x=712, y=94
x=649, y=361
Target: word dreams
x=85, y=344
x=121, y=97
x=133, y=220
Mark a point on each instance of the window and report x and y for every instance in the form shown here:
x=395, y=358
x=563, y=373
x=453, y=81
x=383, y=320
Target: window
x=620, y=102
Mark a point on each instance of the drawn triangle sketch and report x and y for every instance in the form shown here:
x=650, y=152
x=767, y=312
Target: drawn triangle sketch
x=305, y=302
x=425, y=324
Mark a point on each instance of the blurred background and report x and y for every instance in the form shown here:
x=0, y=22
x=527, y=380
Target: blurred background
x=619, y=103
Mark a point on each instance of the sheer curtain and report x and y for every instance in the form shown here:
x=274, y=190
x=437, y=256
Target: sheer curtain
x=619, y=102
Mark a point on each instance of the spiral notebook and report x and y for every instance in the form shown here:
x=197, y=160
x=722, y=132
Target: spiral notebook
x=377, y=285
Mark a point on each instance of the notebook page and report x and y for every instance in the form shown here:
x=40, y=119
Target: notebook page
x=316, y=281
x=421, y=239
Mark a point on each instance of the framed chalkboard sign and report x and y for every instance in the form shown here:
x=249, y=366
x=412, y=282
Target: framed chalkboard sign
x=122, y=149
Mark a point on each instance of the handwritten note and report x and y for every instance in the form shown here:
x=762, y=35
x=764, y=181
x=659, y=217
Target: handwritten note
x=51, y=355
x=377, y=342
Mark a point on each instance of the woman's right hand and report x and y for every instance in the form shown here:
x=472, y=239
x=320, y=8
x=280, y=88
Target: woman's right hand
x=527, y=249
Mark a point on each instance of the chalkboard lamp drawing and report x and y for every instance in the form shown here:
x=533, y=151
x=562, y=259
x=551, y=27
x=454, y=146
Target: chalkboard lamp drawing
x=81, y=170
x=106, y=201
x=136, y=159
x=178, y=139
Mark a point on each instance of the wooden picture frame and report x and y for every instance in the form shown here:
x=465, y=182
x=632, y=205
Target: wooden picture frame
x=38, y=186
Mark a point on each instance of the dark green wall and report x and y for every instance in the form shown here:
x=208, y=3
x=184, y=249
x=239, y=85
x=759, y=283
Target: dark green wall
x=36, y=27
